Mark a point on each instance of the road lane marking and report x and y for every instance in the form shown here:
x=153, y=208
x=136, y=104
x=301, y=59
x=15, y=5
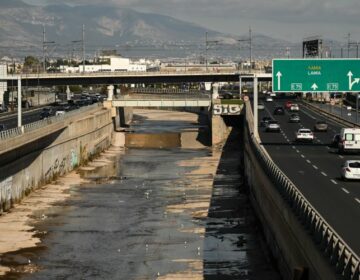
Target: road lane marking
x=294, y=147
x=311, y=116
x=341, y=157
x=308, y=161
x=315, y=167
x=302, y=156
x=298, y=151
x=345, y=190
x=323, y=173
x=357, y=200
x=334, y=182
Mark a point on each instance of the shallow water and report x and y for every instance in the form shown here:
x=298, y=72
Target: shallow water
x=155, y=213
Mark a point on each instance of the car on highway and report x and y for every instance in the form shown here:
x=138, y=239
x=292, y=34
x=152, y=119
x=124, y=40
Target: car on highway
x=304, y=135
x=294, y=118
x=351, y=170
x=321, y=126
x=269, y=99
x=261, y=106
x=294, y=107
x=228, y=95
x=279, y=111
x=288, y=105
x=349, y=140
x=272, y=126
x=272, y=94
x=46, y=113
x=2, y=127
x=265, y=120
x=335, y=141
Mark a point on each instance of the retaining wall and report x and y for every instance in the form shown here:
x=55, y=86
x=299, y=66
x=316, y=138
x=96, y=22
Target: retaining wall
x=84, y=137
x=297, y=255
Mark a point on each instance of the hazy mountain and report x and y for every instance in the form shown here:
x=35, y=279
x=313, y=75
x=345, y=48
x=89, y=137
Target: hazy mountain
x=107, y=27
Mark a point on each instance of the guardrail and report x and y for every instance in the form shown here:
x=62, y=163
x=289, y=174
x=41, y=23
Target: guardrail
x=332, y=116
x=339, y=254
x=163, y=97
x=165, y=91
x=10, y=133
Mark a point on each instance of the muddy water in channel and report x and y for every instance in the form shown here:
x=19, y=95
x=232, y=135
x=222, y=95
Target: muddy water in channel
x=173, y=209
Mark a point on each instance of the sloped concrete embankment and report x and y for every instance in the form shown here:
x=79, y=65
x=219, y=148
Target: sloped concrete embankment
x=296, y=254
x=85, y=136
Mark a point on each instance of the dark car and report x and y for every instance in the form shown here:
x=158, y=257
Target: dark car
x=228, y=95
x=294, y=118
x=2, y=127
x=335, y=141
x=46, y=113
x=320, y=126
x=279, y=111
x=265, y=121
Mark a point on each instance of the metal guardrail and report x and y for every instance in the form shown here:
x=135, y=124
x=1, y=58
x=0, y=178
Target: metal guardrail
x=164, y=97
x=332, y=116
x=165, y=91
x=335, y=249
x=10, y=133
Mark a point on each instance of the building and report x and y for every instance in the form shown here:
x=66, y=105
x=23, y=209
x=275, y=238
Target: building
x=111, y=63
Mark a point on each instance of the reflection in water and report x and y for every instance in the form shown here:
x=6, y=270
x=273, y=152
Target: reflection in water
x=145, y=215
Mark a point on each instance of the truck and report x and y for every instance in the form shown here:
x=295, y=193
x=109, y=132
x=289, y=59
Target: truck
x=349, y=140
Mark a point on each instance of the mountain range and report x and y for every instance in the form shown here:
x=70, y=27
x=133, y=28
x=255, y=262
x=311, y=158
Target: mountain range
x=109, y=27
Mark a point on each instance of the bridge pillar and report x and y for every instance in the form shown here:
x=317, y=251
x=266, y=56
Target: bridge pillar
x=68, y=93
x=215, y=90
x=110, y=90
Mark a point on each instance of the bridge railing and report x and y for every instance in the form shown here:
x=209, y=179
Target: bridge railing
x=337, y=251
x=10, y=133
x=163, y=97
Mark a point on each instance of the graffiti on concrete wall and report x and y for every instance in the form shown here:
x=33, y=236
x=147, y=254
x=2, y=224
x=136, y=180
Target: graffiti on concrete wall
x=58, y=168
x=5, y=189
x=74, y=161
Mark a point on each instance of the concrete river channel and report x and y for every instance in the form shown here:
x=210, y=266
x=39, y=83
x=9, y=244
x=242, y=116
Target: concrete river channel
x=166, y=206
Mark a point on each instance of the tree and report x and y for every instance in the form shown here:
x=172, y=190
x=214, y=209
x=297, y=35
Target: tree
x=31, y=61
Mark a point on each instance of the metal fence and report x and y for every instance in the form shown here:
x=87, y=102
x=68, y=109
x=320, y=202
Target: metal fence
x=340, y=255
x=10, y=133
x=164, y=97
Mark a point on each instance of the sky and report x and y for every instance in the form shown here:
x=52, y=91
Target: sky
x=292, y=20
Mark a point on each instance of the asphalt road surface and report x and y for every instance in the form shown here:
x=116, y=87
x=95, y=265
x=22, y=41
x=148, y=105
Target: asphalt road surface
x=315, y=169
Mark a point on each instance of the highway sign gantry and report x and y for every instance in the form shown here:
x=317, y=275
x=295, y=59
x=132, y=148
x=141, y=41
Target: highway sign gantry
x=313, y=75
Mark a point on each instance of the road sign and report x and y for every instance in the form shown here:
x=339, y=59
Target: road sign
x=312, y=75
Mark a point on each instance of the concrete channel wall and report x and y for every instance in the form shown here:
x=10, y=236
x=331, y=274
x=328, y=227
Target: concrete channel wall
x=297, y=255
x=85, y=135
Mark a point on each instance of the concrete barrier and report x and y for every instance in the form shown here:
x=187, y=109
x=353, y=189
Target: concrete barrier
x=296, y=253
x=84, y=137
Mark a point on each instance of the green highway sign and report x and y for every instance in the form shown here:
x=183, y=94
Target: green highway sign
x=312, y=75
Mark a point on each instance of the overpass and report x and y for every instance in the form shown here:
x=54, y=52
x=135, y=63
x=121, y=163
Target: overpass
x=109, y=78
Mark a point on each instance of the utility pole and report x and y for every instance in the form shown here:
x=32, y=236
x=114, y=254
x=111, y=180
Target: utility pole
x=249, y=40
x=250, y=47
x=207, y=42
x=82, y=41
x=83, y=46
x=45, y=44
x=348, y=45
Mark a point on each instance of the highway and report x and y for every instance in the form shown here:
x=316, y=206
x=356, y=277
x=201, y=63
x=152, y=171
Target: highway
x=28, y=117
x=315, y=170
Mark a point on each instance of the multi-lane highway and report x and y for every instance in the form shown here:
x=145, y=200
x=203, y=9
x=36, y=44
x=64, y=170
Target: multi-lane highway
x=10, y=121
x=315, y=169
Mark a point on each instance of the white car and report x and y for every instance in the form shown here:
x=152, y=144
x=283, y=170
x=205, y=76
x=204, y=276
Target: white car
x=269, y=99
x=350, y=170
x=261, y=106
x=294, y=108
x=272, y=126
x=304, y=134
